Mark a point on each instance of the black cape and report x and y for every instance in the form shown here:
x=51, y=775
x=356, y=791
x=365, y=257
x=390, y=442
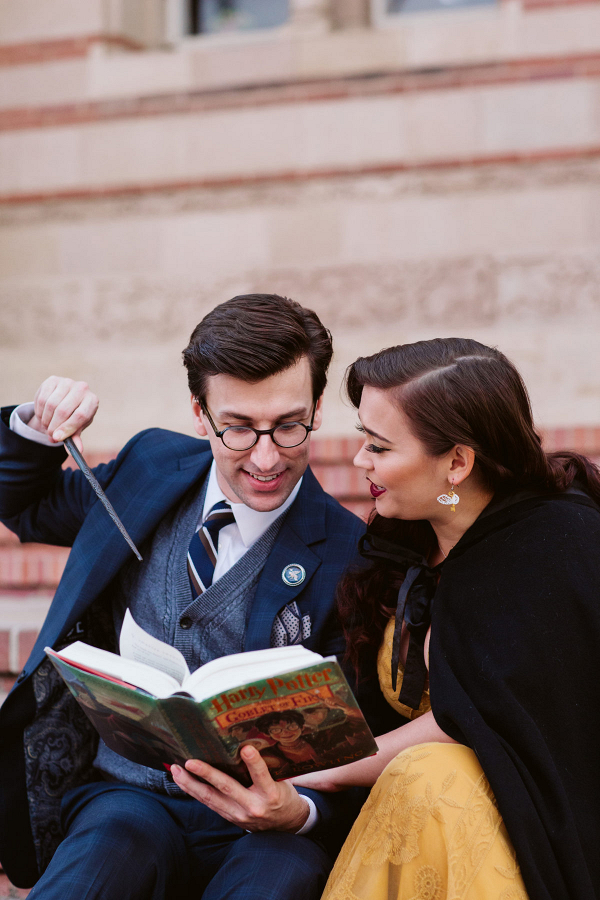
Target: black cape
x=514, y=674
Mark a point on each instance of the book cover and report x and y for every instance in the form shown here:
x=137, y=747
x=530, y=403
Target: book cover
x=300, y=721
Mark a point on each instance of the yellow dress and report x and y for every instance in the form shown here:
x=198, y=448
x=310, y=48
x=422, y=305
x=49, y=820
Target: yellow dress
x=430, y=829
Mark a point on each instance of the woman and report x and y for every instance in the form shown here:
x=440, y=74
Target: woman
x=490, y=551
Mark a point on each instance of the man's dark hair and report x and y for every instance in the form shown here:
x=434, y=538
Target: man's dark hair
x=253, y=336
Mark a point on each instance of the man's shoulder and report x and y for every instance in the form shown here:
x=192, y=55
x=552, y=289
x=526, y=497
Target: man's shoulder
x=348, y=520
x=340, y=522
x=156, y=443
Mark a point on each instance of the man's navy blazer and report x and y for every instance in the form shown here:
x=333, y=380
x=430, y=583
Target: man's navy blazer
x=44, y=503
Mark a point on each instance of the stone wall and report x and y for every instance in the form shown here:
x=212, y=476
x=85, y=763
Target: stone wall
x=406, y=177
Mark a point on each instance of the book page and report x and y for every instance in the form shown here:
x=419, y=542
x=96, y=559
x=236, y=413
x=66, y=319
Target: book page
x=229, y=672
x=129, y=670
x=137, y=644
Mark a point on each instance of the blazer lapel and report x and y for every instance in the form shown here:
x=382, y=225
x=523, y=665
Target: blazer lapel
x=99, y=550
x=304, y=525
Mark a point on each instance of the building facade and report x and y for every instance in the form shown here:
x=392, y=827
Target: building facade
x=406, y=172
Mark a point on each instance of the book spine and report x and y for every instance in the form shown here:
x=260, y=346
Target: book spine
x=187, y=721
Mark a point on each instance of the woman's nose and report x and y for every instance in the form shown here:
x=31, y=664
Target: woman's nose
x=362, y=460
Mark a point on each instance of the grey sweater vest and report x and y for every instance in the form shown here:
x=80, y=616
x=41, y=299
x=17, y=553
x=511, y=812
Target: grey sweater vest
x=158, y=594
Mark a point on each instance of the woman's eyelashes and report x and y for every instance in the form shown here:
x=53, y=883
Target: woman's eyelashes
x=371, y=448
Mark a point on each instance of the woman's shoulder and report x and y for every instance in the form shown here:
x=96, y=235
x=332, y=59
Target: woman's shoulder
x=545, y=522
x=547, y=544
x=563, y=519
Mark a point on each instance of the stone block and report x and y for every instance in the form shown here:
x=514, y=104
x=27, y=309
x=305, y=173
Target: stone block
x=203, y=245
x=137, y=74
x=138, y=150
x=55, y=82
x=121, y=245
x=32, y=250
x=247, y=141
x=351, y=132
x=33, y=161
x=364, y=51
x=441, y=124
x=309, y=235
x=261, y=58
x=530, y=117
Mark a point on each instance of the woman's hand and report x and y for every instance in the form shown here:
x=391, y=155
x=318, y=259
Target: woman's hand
x=365, y=772
x=338, y=779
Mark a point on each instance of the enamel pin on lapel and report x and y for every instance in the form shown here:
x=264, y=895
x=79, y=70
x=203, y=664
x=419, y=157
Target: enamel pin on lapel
x=293, y=574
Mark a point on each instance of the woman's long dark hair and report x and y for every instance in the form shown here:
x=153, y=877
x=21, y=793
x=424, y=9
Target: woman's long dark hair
x=453, y=391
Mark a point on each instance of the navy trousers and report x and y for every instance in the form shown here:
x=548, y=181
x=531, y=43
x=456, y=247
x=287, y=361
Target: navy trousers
x=125, y=843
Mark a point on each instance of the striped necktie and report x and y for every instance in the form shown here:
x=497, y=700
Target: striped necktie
x=203, y=549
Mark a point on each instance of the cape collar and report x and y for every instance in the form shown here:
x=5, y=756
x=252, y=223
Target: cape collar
x=417, y=591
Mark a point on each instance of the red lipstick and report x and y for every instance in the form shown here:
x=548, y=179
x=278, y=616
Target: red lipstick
x=375, y=490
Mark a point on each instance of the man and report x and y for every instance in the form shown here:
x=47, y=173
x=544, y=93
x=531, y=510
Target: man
x=241, y=550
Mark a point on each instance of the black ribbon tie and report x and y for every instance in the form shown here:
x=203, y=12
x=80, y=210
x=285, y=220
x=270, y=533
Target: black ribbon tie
x=415, y=601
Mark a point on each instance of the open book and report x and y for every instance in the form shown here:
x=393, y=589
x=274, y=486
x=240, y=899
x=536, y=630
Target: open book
x=293, y=705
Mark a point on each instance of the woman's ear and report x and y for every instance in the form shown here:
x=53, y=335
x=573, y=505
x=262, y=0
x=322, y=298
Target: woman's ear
x=462, y=461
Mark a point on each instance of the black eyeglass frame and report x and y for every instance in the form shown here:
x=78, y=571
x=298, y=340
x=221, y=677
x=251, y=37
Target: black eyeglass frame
x=259, y=432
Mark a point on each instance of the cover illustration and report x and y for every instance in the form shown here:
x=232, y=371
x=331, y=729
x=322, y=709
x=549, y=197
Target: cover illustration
x=301, y=721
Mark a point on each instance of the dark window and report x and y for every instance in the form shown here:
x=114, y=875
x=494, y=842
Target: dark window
x=218, y=16
x=404, y=6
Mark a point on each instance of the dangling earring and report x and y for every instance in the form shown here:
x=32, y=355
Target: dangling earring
x=450, y=499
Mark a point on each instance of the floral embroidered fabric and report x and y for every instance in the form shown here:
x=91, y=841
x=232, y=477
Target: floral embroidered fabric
x=430, y=830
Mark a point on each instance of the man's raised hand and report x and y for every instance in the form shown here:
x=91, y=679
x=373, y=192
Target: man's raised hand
x=63, y=408
x=266, y=806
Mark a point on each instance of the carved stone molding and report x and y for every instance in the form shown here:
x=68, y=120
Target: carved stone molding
x=474, y=291
x=489, y=177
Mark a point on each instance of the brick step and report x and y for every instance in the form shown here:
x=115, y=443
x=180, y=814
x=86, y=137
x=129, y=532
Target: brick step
x=31, y=566
x=22, y=614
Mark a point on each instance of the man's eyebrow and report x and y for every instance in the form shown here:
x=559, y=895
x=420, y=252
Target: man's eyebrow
x=299, y=413
x=375, y=435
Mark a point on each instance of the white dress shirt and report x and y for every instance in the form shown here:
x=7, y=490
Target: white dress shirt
x=249, y=525
x=234, y=539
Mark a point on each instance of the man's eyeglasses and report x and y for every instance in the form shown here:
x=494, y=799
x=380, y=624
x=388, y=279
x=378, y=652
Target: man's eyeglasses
x=243, y=437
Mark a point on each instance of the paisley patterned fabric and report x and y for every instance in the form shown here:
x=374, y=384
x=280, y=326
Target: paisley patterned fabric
x=60, y=746
x=60, y=743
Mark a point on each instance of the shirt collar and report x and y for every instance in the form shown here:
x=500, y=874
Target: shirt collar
x=251, y=523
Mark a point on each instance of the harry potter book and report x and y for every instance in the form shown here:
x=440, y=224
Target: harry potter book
x=293, y=705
